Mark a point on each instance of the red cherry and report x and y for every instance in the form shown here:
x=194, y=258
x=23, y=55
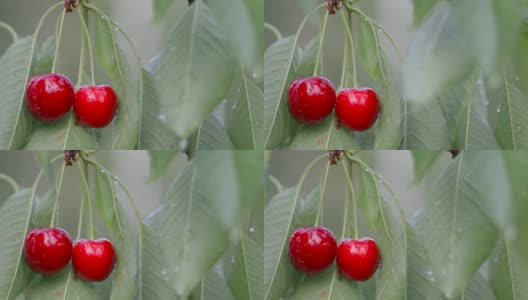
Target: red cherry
x=312, y=249
x=95, y=106
x=47, y=250
x=357, y=109
x=93, y=260
x=311, y=99
x=49, y=96
x=358, y=259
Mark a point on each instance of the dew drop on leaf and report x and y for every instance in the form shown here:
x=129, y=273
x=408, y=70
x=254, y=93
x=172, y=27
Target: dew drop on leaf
x=162, y=117
x=251, y=229
x=183, y=144
x=499, y=108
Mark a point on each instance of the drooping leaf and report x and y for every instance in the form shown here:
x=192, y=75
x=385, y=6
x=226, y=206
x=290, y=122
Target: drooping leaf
x=61, y=135
x=456, y=232
x=160, y=8
x=437, y=58
x=213, y=287
x=244, y=115
x=211, y=135
x=423, y=162
x=280, y=61
x=195, y=219
x=15, y=218
x=104, y=197
x=194, y=53
x=155, y=273
x=368, y=196
x=279, y=275
x=155, y=133
x=479, y=288
x=324, y=136
x=46, y=54
x=422, y=10
x=512, y=120
x=15, y=119
x=160, y=162
x=308, y=58
x=43, y=209
x=246, y=278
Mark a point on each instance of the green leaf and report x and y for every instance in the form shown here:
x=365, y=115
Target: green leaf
x=160, y=162
x=194, y=53
x=423, y=162
x=213, y=287
x=420, y=280
x=422, y=10
x=244, y=116
x=327, y=285
x=61, y=135
x=45, y=58
x=244, y=31
x=246, y=278
x=280, y=61
x=308, y=58
x=43, y=209
x=324, y=136
x=15, y=217
x=155, y=275
x=196, y=217
x=211, y=135
x=437, y=58
x=512, y=120
x=368, y=196
x=155, y=133
x=391, y=281
x=62, y=286
x=113, y=62
x=457, y=234
x=279, y=214
x=479, y=288
x=490, y=27
x=15, y=119
x=307, y=208
x=507, y=271
x=104, y=197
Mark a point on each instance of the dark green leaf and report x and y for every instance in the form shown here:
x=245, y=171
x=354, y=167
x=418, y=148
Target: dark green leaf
x=280, y=61
x=422, y=10
x=194, y=53
x=15, y=119
x=308, y=58
x=213, y=287
x=211, y=135
x=60, y=286
x=160, y=8
x=45, y=57
x=512, y=119
x=43, y=209
x=329, y=285
x=104, y=197
x=15, y=217
x=246, y=278
x=369, y=196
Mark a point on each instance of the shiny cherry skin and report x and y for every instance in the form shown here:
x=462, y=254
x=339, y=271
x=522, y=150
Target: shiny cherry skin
x=95, y=106
x=311, y=99
x=47, y=250
x=357, y=109
x=93, y=260
x=358, y=259
x=49, y=96
x=312, y=249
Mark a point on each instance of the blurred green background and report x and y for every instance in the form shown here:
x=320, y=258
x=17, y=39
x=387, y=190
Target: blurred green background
x=131, y=167
x=395, y=166
x=395, y=17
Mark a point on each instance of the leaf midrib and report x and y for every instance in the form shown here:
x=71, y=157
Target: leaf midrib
x=246, y=91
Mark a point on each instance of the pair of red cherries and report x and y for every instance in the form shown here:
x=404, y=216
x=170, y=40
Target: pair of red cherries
x=51, y=96
x=49, y=250
x=313, y=249
x=312, y=99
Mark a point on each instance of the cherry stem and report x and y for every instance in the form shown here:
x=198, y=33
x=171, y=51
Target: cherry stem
x=35, y=185
x=319, y=56
x=10, y=181
x=351, y=197
x=276, y=183
x=82, y=54
x=348, y=27
x=138, y=62
x=344, y=73
x=319, y=216
x=86, y=189
x=41, y=22
x=57, y=198
x=81, y=217
x=87, y=34
x=273, y=30
x=11, y=31
x=57, y=43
